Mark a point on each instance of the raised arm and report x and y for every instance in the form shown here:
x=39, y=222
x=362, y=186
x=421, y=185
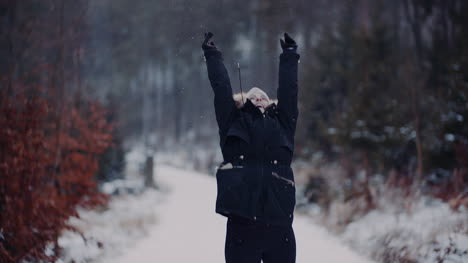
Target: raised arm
x=287, y=86
x=219, y=79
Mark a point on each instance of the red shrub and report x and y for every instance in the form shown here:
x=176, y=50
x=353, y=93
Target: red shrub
x=46, y=169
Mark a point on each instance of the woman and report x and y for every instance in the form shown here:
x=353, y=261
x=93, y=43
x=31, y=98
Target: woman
x=256, y=188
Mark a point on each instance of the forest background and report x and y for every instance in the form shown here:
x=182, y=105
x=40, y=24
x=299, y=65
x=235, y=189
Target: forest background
x=383, y=97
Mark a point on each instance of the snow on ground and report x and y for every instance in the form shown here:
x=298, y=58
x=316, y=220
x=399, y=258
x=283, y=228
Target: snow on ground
x=127, y=218
x=188, y=229
x=177, y=225
x=432, y=232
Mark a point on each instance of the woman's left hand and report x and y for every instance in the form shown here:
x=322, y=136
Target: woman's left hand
x=288, y=43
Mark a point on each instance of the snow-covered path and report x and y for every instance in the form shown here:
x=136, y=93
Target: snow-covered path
x=188, y=229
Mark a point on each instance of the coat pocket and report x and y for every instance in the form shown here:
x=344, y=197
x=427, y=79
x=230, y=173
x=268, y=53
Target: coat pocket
x=283, y=144
x=236, y=145
x=239, y=132
x=233, y=192
x=284, y=189
x=280, y=151
x=286, y=180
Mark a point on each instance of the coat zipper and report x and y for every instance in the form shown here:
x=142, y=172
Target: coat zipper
x=282, y=178
x=262, y=161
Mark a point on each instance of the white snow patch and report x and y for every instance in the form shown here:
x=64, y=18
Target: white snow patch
x=421, y=235
x=107, y=232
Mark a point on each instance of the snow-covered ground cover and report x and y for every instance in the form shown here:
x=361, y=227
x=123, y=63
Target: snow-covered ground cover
x=431, y=232
x=106, y=232
x=400, y=225
x=401, y=229
x=179, y=225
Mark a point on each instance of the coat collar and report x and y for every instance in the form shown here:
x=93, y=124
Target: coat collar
x=250, y=107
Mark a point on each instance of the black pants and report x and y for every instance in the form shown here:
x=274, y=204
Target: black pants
x=250, y=242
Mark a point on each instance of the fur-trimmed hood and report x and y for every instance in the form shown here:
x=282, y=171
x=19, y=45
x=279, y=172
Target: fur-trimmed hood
x=239, y=103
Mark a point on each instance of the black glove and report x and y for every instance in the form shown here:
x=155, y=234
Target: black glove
x=288, y=43
x=207, y=44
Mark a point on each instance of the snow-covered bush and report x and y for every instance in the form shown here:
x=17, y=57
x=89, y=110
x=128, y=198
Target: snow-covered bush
x=430, y=231
x=105, y=233
x=387, y=221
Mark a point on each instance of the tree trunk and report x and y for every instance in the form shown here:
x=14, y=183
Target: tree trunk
x=59, y=85
x=149, y=176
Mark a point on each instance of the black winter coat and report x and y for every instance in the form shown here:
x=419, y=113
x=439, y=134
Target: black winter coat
x=260, y=183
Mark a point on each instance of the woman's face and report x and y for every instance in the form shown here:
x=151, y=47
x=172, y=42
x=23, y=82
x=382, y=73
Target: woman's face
x=259, y=99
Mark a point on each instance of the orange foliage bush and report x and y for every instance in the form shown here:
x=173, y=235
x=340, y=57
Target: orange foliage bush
x=48, y=160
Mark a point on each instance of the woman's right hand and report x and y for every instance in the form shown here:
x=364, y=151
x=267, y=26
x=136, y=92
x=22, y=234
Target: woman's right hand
x=207, y=44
